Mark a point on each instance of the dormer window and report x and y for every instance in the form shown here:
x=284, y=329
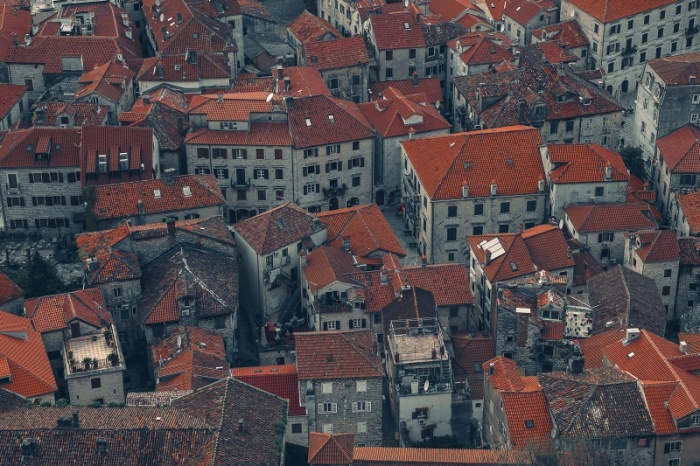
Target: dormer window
x=123, y=161
x=29, y=148
x=406, y=26
x=331, y=118
x=102, y=163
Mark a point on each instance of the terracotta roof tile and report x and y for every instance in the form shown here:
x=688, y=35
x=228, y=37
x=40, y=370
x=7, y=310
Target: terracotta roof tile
x=177, y=68
x=608, y=11
x=390, y=31
x=690, y=207
x=480, y=48
x=585, y=268
x=471, y=352
x=592, y=218
x=282, y=381
x=259, y=134
x=593, y=346
x=24, y=358
x=18, y=148
x=14, y=22
x=308, y=27
x=277, y=227
x=109, y=80
x=584, y=163
x=337, y=355
x=503, y=375
x=122, y=200
x=692, y=339
x=656, y=245
x=478, y=159
x=330, y=448
x=445, y=281
x=457, y=11
x=366, y=228
x=255, y=9
x=430, y=87
x=9, y=290
x=327, y=265
x=339, y=53
x=622, y=298
x=374, y=456
x=529, y=421
x=677, y=69
x=52, y=313
x=113, y=264
x=10, y=94
x=567, y=34
x=523, y=11
x=83, y=113
x=680, y=149
x=552, y=330
x=657, y=396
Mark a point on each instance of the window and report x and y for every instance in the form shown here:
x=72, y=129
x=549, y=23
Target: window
x=477, y=230
x=218, y=153
x=356, y=162
x=674, y=462
x=202, y=153
x=15, y=201
x=452, y=234
x=362, y=407
x=311, y=188
x=614, y=29
x=658, y=52
x=599, y=191
x=278, y=154
x=662, y=14
x=241, y=194
x=679, y=8
x=356, y=180
x=221, y=173
x=333, y=83
x=333, y=149
x=569, y=126
x=260, y=154
x=117, y=291
x=361, y=427
x=554, y=127
x=327, y=387
x=361, y=386
x=454, y=312
x=411, y=53
x=531, y=206
x=695, y=420
x=355, y=79
x=389, y=55
x=96, y=382
x=263, y=173
x=668, y=273
x=630, y=24
x=646, y=19
x=595, y=28
x=328, y=408
x=310, y=153
x=673, y=447
x=450, y=256
x=503, y=228
x=611, y=68
x=665, y=291
x=30, y=84
x=478, y=209
x=262, y=195
x=356, y=145
x=674, y=46
x=296, y=428
x=505, y=207
x=389, y=73
x=606, y=237
x=452, y=211
x=279, y=173
x=645, y=38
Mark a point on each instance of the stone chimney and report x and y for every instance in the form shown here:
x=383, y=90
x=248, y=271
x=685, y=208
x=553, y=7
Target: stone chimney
x=101, y=446
x=140, y=207
x=168, y=175
x=170, y=224
x=76, y=419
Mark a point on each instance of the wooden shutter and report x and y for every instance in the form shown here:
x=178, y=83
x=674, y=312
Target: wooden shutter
x=325, y=324
x=305, y=172
x=266, y=173
x=63, y=200
x=600, y=237
x=667, y=448
x=33, y=200
x=364, y=323
x=46, y=178
x=255, y=174
x=60, y=177
x=318, y=190
x=350, y=324
x=337, y=325
x=245, y=154
x=362, y=161
x=71, y=177
x=31, y=177
x=354, y=407
x=305, y=192
x=349, y=164
x=328, y=150
x=21, y=201
x=320, y=407
x=328, y=167
x=368, y=406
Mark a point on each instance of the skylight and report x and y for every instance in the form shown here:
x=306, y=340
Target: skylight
x=529, y=423
x=308, y=122
x=331, y=118
x=156, y=193
x=406, y=26
x=186, y=191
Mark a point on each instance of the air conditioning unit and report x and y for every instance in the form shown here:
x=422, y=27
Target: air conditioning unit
x=185, y=313
x=477, y=126
x=422, y=421
x=613, y=261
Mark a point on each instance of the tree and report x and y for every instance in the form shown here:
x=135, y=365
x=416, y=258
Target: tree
x=632, y=156
x=39, y=278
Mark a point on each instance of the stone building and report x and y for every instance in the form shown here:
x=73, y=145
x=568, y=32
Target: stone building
x=461, y=184
x=688, y=292
x=344, y=65
x=521, y=17
x=569, y=36
x=623, y=36
x=307, y=28
x=13, y=106
x=111, y=84
x=338, y=400
x=673, y=170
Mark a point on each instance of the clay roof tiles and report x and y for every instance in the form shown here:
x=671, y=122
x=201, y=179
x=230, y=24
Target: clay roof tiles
x=259, y=134
x=523, y=11
x=608, y=11
x=185, y=192
x=430, y=87
x=52, y=313
x=680, y=149
x=24, y=358
x=10, y=94
x=337, y=355
x=108, y=80
x=397, y=31
x=584, y=163
x=477, y=159
x=529, y=421
x=327, y=265
x=282, y=381
x=689, y=251
x=471, y=351
x=567, y=34
x=83, y=113
x=657, y=245
x=330, y=448
x=340, y=53
x=9, y=290
x=628, y=216
x=690, y=206
x=308, y=27
x=18, y=148
x=374, y=456
x=479, y=48
x=445, y=281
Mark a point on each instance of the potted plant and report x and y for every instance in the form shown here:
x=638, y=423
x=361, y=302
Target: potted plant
x=95, y=363
x=108, y=335
x=86, y=362
x=113, y=358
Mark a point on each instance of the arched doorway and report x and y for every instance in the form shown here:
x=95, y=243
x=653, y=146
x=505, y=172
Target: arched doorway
x=379, y=197
x=625, y=86
x=333, y=203
x=353, y=201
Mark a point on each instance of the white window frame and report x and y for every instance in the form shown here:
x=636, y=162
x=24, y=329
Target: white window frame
x=238, y=153
x=361, y=386
x=356, y=323
x=362, y=407
x=327, y=388
x=696, y=98
x=361, y=427
x=311, y=189
x=327, y=408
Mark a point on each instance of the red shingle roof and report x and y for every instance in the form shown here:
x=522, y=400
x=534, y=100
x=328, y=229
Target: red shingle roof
x=397, y=31
x=308, y=27
x=282, y=381
x=330, y=448
x=230, y=107
x=447, y=282
x=374, y=456
x=591, y=218
x=656, y=245
x=112, y=264
x=339, y=53
x=83, y=113
x=585, y=163
x=9, y=290
x=444, y=164
x=608, y=11
x=327, y=265
x=18, y=148
x=430, y=87
x=109, y=80
x=24, y=358
x=690, y=205
x=259, y=134
x=677, y=69
x=523, y=11
x=14, y=22
x=471, y=352
x=10, y=94
x=337, y=355
x=51, y=313
x=680, y=149
x=567, y=34
x=479, y=48
x=366, y=228
x=529, y=421
x=185, y=192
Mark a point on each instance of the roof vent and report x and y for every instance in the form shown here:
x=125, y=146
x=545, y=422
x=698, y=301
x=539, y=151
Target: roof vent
x=240, y=426
x=28, y=448
x=494, y=189
x=156, y=193
x=691, y=79
x=202, y=344
x=632, y=334
x=492, y=368
x=683, y=347
x=101, y=446
x=186, y=191
x=465, y=191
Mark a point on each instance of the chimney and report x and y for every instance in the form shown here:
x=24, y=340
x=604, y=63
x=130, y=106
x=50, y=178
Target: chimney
x=141, y=210
x=494, y=188
x=608, y=171
x=683, y=347
x=414, y=77
x=15, y=40
x=540, y=185
x=576, y=365
x=240, y=426
x=423, y=261
x=287, y=83
x=168, y=175
x=147, y=100
x=382, y=277
x=465, y=191
x=278, y=70
x=315, y=224
x=101, y=446
x=27, y=39
x=346, y=243
x=170, y=224
x=220, y=98
x=129, y=33
x=691, y=79
x=492, y=368
x=289, y=102
x=76, y=419
x=28, y=448
x=632, y=334
x=302, y=258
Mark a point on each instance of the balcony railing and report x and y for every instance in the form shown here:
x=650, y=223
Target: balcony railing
x=236, y=185
x=629, y=50
x=692, y=30
x=334, y=191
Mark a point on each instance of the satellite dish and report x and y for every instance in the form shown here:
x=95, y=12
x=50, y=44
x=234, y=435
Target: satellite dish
x=269, y=97
x=426, y=385
x=561, y=224
x=179, y=341
x=161, y=17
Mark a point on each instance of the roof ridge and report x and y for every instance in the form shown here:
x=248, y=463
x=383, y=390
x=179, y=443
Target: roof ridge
x=463, y=143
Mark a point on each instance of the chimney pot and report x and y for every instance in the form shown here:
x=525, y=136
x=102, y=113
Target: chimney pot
x=140, y=207
x=170, y=224
x=240, y=426
x=76, y=419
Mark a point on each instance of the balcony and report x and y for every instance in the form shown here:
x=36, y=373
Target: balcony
x=691, y=31
x=93, y=352
x=236, y=185
x=629, y=50
x=334, y=191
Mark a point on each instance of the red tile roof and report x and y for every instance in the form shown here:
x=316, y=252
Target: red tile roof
x=327, y=265
x=390, y=31
x=479, y=48
x=282, y=381
x=584, y=163
x=677, y=69
x=477, y=159
x=259, y=134
x=680, y=149
x=608, y=11
x=690, y=206
x=445, y=281
x=230, y=107
x=109, y=80
x=10, y=94
x=593, y=346
x=692, y=339
x=430, y=87
x=394, y=115
x=585, y=268
x=461, y=12
x=112, y=264
x=18, y=148
x=529, y=421
x=112, y=141
x=567, y=34
x=523, y=11
x=122, y=200
x=24, y=358
x=83, y=113
x=51, y=313
x=348, y=123
x=331, y=448
x=471, y=352
x=15, y=22
x=277, y=227
x=308, y=28
x=255, y=9
x=503, y=375
x=9, y=290
x=337, y=355
x=656, y=245
x=539, y=248
x=177, y=68
x=628, y=216
x=366, y=228
x=374, y=456
x=339, y=53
